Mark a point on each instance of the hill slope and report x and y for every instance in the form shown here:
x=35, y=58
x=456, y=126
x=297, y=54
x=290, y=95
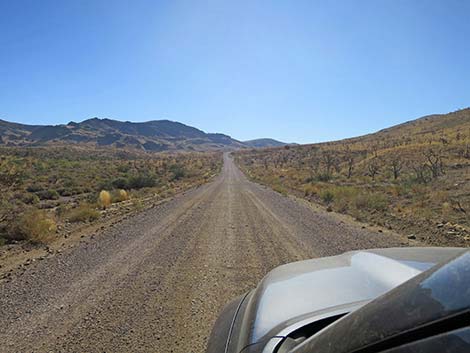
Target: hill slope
x=264, y=142
x=413, y=177
x=157, y=135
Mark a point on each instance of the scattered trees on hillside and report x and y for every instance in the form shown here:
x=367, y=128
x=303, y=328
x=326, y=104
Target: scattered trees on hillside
x=397, y=166
x=430, y=166
x=434, y=163
x=328, y=161
x=421, y=172
x=373, y=167
x=349, y=158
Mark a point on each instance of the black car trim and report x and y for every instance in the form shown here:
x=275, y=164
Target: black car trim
x=263, y=342
x=227, y=344
x=445, y=325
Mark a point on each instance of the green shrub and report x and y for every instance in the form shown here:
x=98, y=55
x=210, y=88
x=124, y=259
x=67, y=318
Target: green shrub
x=343, y=196
x=280, y=189
x=28, y=198
x=34, y=188
x=309, y=179
x=70, y=191
x=371, y=201
x=82, y=213
x=120, y=183
x=324, y=177
x=177, y=171
x=141, y=181
x=48, y=194
x=327, y=196
x=138, y=181
x=378, y=202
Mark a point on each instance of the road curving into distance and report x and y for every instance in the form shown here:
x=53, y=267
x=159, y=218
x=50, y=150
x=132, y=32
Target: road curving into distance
x=157, y=281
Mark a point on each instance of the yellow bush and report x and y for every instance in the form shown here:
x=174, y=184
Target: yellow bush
x=37, y=226
x=105, y=199
x=120, y=195
x=446, y=209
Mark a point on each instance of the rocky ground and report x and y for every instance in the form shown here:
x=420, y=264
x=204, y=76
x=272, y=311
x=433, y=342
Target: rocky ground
x=156, y=281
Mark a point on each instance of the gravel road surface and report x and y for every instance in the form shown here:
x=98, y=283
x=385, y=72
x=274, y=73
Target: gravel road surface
x=155, y=282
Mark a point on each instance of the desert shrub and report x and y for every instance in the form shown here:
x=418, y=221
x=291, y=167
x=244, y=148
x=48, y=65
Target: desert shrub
x=324, y=177
x=48, y=194
x=105, y=199
x=61, y=210
x=310, y=189
x=120, y=195
x=280, y=189
x=123, y=168
x=123, y=195
x=70, y=191
x=446, y=209
x=343, y=196
x=342, y=205
x=345, y=192
x=64, y=192
x=34, y=188
x=34, y=225
x=327, y=196
x=120, y=183
x=28, y=198
x=378, y=202
x=309, y=179
x=138, y=181
x=371, y=201
x=177, y=171
x=83, y=213
x=141, y=181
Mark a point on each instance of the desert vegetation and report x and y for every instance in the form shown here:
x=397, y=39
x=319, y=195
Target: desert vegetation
x=413, y=178
x=45, y=188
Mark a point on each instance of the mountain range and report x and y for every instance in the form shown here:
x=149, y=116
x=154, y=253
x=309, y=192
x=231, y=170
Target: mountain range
x=156, y=135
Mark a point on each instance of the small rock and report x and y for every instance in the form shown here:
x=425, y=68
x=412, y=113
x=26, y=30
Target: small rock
x=411, y=236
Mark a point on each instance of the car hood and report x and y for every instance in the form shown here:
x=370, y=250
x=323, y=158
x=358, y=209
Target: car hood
x=303, y=289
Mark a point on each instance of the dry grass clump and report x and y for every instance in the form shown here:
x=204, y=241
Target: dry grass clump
x=347, y=198
x=120, y=195
x=37, y=226
x=104, y=199
x=83, y=213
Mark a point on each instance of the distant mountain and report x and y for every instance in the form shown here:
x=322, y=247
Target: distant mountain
x=157, y=135
x=266, y=142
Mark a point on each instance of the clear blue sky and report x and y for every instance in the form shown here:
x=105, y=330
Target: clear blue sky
x=295, y=70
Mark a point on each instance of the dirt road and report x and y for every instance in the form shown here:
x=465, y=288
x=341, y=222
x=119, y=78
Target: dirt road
x=156, y=282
